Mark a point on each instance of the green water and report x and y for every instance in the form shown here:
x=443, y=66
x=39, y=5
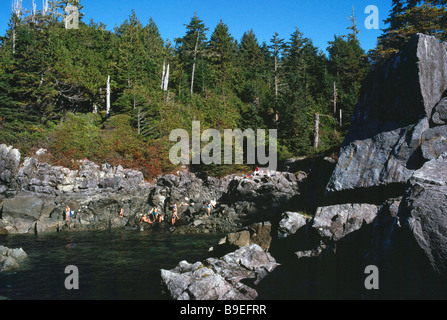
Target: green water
x=117, y=264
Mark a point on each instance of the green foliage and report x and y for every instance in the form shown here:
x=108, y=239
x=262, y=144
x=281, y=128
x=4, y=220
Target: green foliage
x=78, y=137
x=348, y=64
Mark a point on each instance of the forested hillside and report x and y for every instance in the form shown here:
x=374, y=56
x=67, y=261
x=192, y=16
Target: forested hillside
x=54, y=83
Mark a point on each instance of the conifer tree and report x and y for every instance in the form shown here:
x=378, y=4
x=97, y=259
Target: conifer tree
x=222, y=53
x=192, y=49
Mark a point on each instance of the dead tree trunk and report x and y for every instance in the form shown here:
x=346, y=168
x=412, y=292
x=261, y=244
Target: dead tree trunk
x=276, y=85
x=166, y=82
x=17, y=13
x=14, y=40
x=316, y=129
x=163, y=76
x=341, y=118
x=335, y=99
x=140, y=116
x=108, y=97
x=194, y=62
x=276, y=91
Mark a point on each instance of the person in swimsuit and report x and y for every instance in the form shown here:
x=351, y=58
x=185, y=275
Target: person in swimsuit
x=209, y=207
x=155, y=213
x=174, y=214
x=67, y=213
x=144, y=218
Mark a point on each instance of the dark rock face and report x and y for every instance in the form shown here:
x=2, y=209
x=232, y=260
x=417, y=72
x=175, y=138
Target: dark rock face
x=383, y=145
x=397, y=126
x=388, y=157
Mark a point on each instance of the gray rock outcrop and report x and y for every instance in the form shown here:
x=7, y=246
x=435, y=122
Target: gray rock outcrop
x=337, y=221
x=11, y=258
x=289, y=224
x=382, y=147
x=220, y=279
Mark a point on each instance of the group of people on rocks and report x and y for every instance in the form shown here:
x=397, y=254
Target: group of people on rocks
x=257, y=172
x=69, y=213
x=158, y=216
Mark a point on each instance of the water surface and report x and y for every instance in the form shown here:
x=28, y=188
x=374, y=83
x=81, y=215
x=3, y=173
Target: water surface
x=116, y=264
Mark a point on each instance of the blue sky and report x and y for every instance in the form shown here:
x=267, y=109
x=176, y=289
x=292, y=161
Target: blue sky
x=318, y=20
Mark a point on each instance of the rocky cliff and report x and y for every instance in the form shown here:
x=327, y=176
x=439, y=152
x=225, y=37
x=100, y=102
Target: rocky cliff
x=393, y=132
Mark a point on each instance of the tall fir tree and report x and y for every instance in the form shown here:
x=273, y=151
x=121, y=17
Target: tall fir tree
x=192, y=51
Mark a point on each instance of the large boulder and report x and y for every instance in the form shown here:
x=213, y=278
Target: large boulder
x=382, y=147
x=21, y=212
x=290, y=222
x=257, y=233
x=24, y=205
x=11, y=258
x=388, y=157
x=220, y=279
x=337, y=221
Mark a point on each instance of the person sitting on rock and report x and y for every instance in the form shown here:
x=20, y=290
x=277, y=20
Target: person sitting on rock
x=144, y=218
x=121, y=214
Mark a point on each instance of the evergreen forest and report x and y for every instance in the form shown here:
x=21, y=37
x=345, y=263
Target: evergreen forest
x=114, y=96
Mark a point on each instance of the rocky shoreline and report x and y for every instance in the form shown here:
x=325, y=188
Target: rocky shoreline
x=35, y=196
